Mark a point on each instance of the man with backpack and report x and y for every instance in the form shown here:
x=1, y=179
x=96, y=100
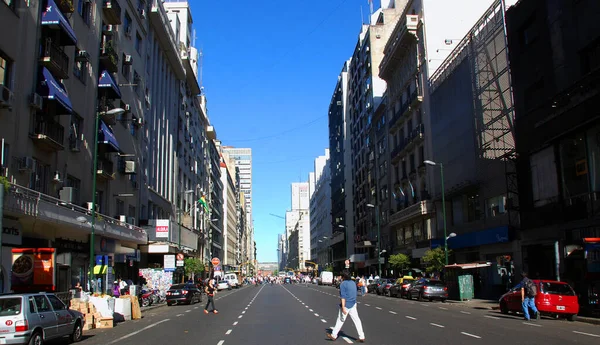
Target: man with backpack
x=528, y=293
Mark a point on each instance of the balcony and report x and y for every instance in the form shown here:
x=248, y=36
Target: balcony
x=420, y=209
x=47, y=134
x=111, y=11
x=55, y=59
x=65, y=6
x=105, y=170
x=404, y=35
x=415, y=98
x=162, y=26
x=61, y=215
x=109, y=56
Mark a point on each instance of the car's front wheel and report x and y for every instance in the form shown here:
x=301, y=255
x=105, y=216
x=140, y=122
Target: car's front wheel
x=77, y=334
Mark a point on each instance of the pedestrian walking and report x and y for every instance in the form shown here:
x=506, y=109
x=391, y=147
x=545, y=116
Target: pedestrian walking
x=347, y=307
x=528, y=293
x=210, y=293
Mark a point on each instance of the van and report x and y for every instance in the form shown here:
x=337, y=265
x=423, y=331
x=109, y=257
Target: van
x=326, y=278
x=232, y=279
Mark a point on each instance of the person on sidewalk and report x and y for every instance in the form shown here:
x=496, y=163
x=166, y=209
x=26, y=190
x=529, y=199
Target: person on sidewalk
x=210, y=293
x=347, y=307
x=528, y=293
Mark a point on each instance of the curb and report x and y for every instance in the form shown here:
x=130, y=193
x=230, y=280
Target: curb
x=153, y=306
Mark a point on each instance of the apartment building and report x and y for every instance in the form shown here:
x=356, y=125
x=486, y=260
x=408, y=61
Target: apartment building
x=230, y=213
x=320, y=212
x=243, y=160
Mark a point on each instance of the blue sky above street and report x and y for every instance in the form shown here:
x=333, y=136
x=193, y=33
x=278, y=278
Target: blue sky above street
x=269, y=71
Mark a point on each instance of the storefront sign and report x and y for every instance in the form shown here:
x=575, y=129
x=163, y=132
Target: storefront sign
x=33, y=269
x=11, y=232
x=64, y=245
x=162, y=228
x=169, y=263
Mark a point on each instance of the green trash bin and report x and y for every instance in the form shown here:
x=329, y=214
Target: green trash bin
x=466, y=287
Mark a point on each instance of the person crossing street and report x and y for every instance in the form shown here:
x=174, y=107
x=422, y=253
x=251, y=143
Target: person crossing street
x=210, y=293
x=347, y=307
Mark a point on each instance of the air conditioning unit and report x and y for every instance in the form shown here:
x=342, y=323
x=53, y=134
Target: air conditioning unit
x=128, y=60
x=27, y=164
x=57, y=178
x=139, y=121
x=108, y=29
x=37, y=101
x=130, y=167
x=143, y=14
x=412, y=21
x=339, y=102
x=127, y=107
x=82, y=55
x=89, y=206
x=123, y=218
x=6, y=97
x=68, y=194
x=131, y=220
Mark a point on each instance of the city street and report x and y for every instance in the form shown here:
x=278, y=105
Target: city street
x=301, y=314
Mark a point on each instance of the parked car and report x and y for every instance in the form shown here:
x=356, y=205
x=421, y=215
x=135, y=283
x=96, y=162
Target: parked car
x=223, y=284
x=34, y=318
x=372, y=286
x=184, y=293
x=554, y=298
x=383, y=288
x=401, y=286
x=232, y=279
x=428, y=289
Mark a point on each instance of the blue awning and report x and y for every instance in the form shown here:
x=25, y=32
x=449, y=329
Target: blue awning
x=499, y=234
x=107, y=137
x=52, y=17
x=53, y=90
x=107, y=86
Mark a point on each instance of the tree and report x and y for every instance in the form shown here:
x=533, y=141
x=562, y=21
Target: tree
x=435, y=259
x=193, y=266
x=329, y=269
x=275, y=273
x=399, y=261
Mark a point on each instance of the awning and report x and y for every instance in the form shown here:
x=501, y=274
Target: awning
x=107, y=137
x=53, y=90
x=98, y=269
x=52, y=17
x=107, y=86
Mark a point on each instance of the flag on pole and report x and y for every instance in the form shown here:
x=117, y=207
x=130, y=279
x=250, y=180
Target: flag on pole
x=202, y=201
x=412, y=189
x=371, y=6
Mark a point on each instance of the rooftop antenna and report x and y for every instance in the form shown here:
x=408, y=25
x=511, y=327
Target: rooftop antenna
x=370, y=10
x=201, y=63
x=194, y=37
x=362, y=17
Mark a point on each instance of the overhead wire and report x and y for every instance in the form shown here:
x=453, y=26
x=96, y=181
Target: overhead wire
x=279, y=133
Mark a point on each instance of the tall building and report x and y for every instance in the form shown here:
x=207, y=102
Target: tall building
x=214, y=197
x=555, y=72
x=230, y=214
x=320, y=212
x=340, y=166
x=243, y=161
x=300, y=195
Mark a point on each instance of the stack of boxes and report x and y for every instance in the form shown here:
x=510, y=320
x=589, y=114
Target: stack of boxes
x=93, y=319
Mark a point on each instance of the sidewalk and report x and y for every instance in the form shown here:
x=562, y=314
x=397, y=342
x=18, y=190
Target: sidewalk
x=484, y=304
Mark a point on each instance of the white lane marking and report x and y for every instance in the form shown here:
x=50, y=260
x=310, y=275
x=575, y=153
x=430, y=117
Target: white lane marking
x=239, y=317
x=531, y=324
x=410, y=317
x=246, y=308
x=138, y=331
x=306, y=306
x=347, y=340
x=178, y=315
x=393, y=312
x=378, y=308
x=228, y=332
x=195, y=307
x=235, y=323
x=425, y=305
x=368, y=305
x=322, y=320
x=471, y=335
x=244, y=312
x=436, y=325
x=221, y=342
x=310, y=310
x=317, y=315
x=187, y=311
x=491, y=317
x=443, y=308
x=465, y=312
x=589, y=334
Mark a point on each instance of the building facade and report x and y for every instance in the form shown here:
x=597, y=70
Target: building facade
x=230, y=214
x=320, y=212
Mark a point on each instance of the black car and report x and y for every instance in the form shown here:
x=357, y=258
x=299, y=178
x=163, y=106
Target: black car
x=287, y=280
x=184, y=293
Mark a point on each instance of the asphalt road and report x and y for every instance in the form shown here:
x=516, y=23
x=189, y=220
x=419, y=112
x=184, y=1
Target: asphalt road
x=301, y=314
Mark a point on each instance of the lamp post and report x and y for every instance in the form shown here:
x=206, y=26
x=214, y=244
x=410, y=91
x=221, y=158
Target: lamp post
x=432, y=163
x=376, y=207
x=115, y=112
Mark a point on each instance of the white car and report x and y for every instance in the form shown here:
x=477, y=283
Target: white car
x=232, y=279
x=223, y=284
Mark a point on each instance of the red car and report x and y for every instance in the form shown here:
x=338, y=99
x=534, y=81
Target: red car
x=554, y=298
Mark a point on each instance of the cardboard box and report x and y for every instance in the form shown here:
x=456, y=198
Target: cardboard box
x=105, y=322
x=88, y=326
x=89, y=319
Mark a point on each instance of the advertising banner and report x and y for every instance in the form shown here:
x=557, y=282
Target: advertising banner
x=33, y=269
x=162, y=228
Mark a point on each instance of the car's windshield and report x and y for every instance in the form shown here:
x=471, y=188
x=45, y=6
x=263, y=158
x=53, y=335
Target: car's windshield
x=557, y=289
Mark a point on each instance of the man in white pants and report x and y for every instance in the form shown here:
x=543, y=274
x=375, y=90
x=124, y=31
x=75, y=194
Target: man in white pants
x=347, y=307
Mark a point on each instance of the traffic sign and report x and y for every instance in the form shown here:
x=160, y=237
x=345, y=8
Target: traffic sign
x=180, y=256
x=215, y=261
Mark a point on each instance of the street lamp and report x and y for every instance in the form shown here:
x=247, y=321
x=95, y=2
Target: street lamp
x=432, y=163
x=115, y=112
x=376, y=207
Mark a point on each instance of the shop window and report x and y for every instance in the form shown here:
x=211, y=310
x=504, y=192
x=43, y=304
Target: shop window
x=495, y=206
x=400, y=236
x=418, y=231
x=473, y=208
x=544, y=181
x=593, y=144
x=574, y=166
x=408, y=234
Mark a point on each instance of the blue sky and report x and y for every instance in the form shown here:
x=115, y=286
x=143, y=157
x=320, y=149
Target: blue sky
x=269, y=71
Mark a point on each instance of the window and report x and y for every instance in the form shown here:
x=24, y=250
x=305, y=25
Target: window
x=127, y=25
x=473, y=208
x=421, y=155
x=79, y=67
x=84, y=9
x=75, y=132
x=56, y=303
x=5, y=70
x=412, y=162
x=10, y=4
x=120, y=207
x=544, y=181
x=138, y=43
x=495, y=206
x=574, y=166
x=42, y=304
x=136, y=81
x=125, y=70
x=75, y=183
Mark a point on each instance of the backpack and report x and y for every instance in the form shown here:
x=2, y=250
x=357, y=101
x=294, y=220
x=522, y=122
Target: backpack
x=530, y=288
